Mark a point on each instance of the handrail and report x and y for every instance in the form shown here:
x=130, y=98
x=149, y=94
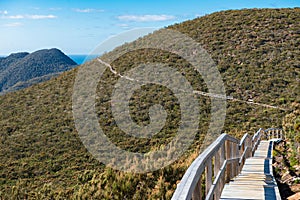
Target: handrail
x=274, y=133
x=187, y=187
x=256, y=140
x=245, y=147
x=218, y=164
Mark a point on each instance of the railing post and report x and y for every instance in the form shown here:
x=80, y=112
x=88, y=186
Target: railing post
x=237, y=156
x=250, y=147
x=217, y=168
x=222, y=159
x=208, y=175
x=217, y=165
x=279, y=133
x=232, y=149
x=228, y=157
x=242, y=149
x=248, y=144
x=271, y=133
x=197, y=194
x=222, y=154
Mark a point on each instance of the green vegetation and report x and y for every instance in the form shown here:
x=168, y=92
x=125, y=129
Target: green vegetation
x=42, y=157
x=287, y=154
x=291, y=124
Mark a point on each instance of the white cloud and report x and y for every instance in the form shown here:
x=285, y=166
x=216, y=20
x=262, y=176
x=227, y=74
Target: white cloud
x=3, y=12
x=14, y=17
x=15, y=24
x=29, y=17
x=87, y=10
x=146, y=18
x=41, y=16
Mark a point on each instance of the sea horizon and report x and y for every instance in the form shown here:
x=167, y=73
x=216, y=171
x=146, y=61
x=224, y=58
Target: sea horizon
x=78, y=58
x=81, y=58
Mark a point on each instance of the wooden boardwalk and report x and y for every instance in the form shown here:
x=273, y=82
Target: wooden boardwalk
x=233, y=169
x=255, y=180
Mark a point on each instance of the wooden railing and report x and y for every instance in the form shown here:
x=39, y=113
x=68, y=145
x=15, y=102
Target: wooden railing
x=274, y=133
x=218, y=164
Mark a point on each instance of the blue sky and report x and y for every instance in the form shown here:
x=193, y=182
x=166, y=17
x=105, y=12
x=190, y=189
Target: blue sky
x=77, y=27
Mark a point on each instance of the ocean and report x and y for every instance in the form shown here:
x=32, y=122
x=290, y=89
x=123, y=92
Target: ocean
x=80, y=59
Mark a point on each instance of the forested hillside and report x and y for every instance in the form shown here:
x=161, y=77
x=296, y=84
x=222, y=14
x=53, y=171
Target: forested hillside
x=20, y=70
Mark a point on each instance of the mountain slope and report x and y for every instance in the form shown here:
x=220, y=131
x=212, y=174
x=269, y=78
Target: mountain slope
x=257, y=53
x=6, y=61
x=21, y=67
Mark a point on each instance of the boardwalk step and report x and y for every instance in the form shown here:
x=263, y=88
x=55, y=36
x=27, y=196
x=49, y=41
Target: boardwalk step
x=255, y=180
